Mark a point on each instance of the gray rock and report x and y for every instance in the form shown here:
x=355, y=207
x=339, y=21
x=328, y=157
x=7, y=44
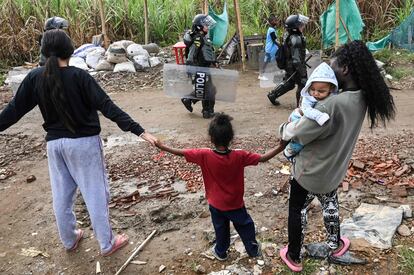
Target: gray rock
x=199, y=269
x=403, y=230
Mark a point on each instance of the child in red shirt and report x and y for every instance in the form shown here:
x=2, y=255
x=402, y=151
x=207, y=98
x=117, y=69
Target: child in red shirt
x=223, y=175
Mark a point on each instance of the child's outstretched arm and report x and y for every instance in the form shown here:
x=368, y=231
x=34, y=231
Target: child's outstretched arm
x=178, y=152
x=268, y=155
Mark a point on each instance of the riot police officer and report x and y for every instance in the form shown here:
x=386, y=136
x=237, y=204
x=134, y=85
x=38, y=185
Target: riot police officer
x=295, y=58
x=200, y=52
x=52, y=23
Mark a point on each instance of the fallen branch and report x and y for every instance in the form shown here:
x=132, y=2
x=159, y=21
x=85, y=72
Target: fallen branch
x=135, y=252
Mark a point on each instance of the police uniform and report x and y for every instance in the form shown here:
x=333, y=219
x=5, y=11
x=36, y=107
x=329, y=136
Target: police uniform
x=295, y=62
x=200, y=52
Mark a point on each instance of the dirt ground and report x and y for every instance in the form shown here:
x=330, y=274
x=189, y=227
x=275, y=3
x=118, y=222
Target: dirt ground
x=181, y=217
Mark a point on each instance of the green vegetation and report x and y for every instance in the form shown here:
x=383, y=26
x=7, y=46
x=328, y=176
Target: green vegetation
x=21, y=21
x=406, y=255
x=399, y=63
x=309, y=267
x=2, y=78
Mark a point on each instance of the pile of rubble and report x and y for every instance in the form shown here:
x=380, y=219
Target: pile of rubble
x=385, y=160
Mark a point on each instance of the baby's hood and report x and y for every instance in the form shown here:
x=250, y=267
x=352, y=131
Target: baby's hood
x=322, y=73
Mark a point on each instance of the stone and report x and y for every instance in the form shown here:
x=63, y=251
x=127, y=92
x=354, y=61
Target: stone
x=30, y=179
x=257, y=270
x=403, y=230
x=407, y=212
x=161, y=268
x=402, y=171
x=399, y=191
x=260, y=262
x=138, y=262
x=199, y=269
x=345, y=186
x=187, y=251
x=358, y=164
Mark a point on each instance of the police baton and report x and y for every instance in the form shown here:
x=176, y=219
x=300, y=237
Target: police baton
x=292, y=75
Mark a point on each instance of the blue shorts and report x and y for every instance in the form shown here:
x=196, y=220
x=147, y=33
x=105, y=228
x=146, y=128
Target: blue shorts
x=269, y=58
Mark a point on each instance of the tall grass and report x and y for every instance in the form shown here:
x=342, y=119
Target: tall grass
x=21, y=21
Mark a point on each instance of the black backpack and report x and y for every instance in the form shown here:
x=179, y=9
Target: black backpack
x=282, y=55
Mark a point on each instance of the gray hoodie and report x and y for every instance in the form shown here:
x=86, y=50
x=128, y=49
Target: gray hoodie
x=322, y=164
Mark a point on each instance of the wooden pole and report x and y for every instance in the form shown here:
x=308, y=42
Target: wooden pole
x=337, y=10
x=346, y=29
x=240, y=30
x=135, y=253
x=103, y=24
x=205, y=7
x=146, y=20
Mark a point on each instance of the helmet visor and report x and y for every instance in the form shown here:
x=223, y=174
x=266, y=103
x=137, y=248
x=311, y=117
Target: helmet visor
x=208, y=22
x=303, y=19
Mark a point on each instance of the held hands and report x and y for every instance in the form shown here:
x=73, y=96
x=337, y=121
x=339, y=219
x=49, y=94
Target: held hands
x=159, y=144
x=150, y=138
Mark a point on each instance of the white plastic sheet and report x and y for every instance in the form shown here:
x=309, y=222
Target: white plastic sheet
x=374, y=223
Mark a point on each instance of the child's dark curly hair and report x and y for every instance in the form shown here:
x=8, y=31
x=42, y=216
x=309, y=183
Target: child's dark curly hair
x=221, y=130
x=366, y=74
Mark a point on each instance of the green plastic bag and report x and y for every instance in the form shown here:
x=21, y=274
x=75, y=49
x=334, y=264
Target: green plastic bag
x=219, y=33
x=380, y=44
x=351, y=17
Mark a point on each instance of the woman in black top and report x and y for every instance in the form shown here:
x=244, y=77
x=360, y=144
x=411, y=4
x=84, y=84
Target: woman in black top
x=69, y=99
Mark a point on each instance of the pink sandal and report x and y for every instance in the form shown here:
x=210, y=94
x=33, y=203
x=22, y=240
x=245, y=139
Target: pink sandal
x=292, y=266
x=79, y=237
x=344, y=248
x=120, y=241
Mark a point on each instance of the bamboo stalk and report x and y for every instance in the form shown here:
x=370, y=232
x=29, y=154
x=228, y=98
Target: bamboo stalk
x=103, y=23
x=240, y=30
x=135, y=252
x=346, y=29
x=337, y=11
x=146, y=20
x=205, y=7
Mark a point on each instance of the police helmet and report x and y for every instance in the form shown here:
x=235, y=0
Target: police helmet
x=201, y=20
x=293, y=22
x=56, y=22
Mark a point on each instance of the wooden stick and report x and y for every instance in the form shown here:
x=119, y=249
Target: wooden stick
x=240, y=28
x=146, y=20
x=346, y=29
x=105, y=35
x=135, y=252
x=205, y=7
x=337, y=24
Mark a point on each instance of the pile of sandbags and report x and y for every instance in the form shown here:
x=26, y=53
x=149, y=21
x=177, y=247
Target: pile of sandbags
x=121, y=56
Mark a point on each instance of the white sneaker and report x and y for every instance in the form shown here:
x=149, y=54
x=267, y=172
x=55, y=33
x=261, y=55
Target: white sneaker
x=262, y=77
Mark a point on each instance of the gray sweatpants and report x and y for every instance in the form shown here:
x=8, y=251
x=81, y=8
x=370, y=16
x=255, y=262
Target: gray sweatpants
x=79, y=163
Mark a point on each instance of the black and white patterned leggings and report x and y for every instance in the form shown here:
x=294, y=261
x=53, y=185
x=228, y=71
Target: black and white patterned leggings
x=299, y=201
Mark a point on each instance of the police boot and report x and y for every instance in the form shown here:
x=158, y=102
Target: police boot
x=208, y=109
x=272, y=98
x=187, y=104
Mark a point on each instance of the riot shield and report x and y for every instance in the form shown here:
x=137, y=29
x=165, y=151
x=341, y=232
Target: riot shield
x=270, y=74
x=200, y=83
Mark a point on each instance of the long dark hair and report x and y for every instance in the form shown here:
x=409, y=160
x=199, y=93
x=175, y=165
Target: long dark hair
x=366, y=74
x=221, y=130
x=57, y=44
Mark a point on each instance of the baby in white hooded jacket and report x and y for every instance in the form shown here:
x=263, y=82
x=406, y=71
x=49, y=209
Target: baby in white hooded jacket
x=321, y=84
